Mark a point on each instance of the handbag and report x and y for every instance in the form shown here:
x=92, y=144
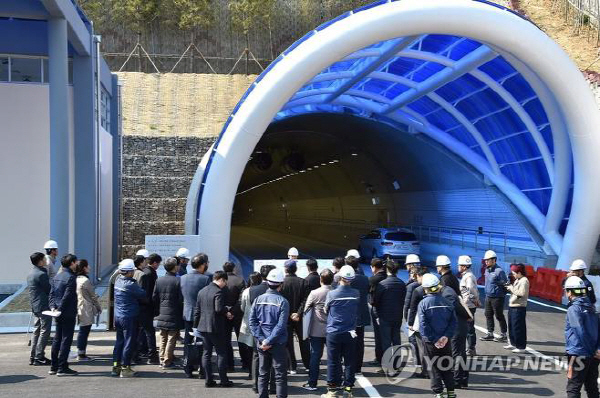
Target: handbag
x=192, y=357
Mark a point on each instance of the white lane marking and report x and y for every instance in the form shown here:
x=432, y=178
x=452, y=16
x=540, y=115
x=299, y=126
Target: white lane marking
x=368, y=387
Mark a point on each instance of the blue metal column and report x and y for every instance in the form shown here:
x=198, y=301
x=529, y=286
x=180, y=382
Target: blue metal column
x=85, y=172
x=59, y=133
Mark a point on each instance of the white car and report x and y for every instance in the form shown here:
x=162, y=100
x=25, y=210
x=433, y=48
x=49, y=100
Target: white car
x=389, y=243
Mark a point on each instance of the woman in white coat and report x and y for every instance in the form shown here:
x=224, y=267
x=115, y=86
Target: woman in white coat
x=88, y=307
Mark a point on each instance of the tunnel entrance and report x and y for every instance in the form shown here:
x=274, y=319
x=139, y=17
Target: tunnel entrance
x=321, y=181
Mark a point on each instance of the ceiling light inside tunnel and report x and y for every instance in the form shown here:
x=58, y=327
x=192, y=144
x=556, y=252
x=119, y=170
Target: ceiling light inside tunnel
x=396, y=185
x=354, y=154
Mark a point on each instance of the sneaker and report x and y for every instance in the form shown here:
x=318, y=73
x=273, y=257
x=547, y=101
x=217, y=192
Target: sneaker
x=127, y=372
x=508, y=347
x=84, y=358
x=31, y=361
x=293, y=372
x=487, y=337
x=67, y=372
x=116, y=371
x=52, y=372
x=517, y=351
x=348, y=392
x=42, y=362
x=331, y=394
x=501, y=339
x=210, y=384
x=227, y=383
x=309, y=387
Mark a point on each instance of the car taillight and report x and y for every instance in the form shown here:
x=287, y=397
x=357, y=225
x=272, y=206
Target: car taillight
x=386, y=243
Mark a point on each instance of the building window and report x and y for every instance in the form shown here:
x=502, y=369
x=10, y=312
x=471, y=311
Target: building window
x=47, y=73
x=4, y=69
x=104, y=109
x=27, y=70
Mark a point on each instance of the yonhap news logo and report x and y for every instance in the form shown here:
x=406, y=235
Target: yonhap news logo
x=402, y=362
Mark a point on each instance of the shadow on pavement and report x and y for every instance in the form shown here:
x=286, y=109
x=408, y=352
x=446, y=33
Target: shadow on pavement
x=12, y=379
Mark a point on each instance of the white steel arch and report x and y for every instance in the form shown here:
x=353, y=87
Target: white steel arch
x=527, y=48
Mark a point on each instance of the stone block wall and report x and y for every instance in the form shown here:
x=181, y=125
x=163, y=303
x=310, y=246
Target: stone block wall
x=157, y=172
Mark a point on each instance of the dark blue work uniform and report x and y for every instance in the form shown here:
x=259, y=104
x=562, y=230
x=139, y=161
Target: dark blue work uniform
x=268, y=324
x=581, y=343
x=128, y=295
x=63, y=297
x=341, y=306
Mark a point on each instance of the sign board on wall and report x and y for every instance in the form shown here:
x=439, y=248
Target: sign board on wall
x=167, y=245
x=302, y=270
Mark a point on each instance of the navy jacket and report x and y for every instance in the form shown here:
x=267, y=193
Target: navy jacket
x=581, y=328
x=269, y=318
x=361, y=283
x=191, y=283
x=39, y=287
x=410, y=287
x=388, y=299
x=417, y=296
x=436, y=318
x=128, y=295
x=495, y=279
x=341, y=307
x=63, y=295
x=448, y=279
x=314, y=280
x=147, y=282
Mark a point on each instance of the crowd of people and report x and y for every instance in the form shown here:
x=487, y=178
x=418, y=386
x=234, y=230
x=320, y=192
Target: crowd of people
x=333, y=307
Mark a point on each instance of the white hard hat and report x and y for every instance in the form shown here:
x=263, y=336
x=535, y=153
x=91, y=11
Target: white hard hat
x=293, y=252
x=126, y=265
x=430, y=280
x=442, y=261
x=353, y=253
x=578, y=265
x=347, y=272
x=412, y=259
x=51, y=244
x=143, y=252
x=574, y=282
x=183, y=253
x=275, y=276
x=465, y=260
x=489, y=255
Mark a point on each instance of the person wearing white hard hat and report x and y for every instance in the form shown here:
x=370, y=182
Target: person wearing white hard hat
x=443, y=266
x=293, y=253
x=268, y=324
x=582, y=340
x=51, y=248
x=437, y=323
x=361, y=283
x=495, y=293
x=388, y=293
x=341, y=306
x=353, y=253
x=183, y=257
x=128, y=295
x=412, y=261
x=577, y=269
x=470, y=296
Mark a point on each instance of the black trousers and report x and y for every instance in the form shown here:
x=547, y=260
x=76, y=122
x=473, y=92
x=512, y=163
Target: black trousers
x=63, y=338
x=440, y=367
x=217, y=342
x=377, y=335
x=494, y=307
x=583, y=372
x=256, y=367
x=273, y=360
x=471, y=334
x=518, y=326
x=231, y=326
x=304, y=346
x=360, y=348
x=459, y=352
x=147, y=336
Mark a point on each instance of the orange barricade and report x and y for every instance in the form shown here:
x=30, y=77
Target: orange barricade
x=549, y=285
x=537, y=287
x=531, y=277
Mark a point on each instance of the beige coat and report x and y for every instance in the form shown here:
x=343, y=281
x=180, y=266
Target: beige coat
x=519, y=293
x=88, y=305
